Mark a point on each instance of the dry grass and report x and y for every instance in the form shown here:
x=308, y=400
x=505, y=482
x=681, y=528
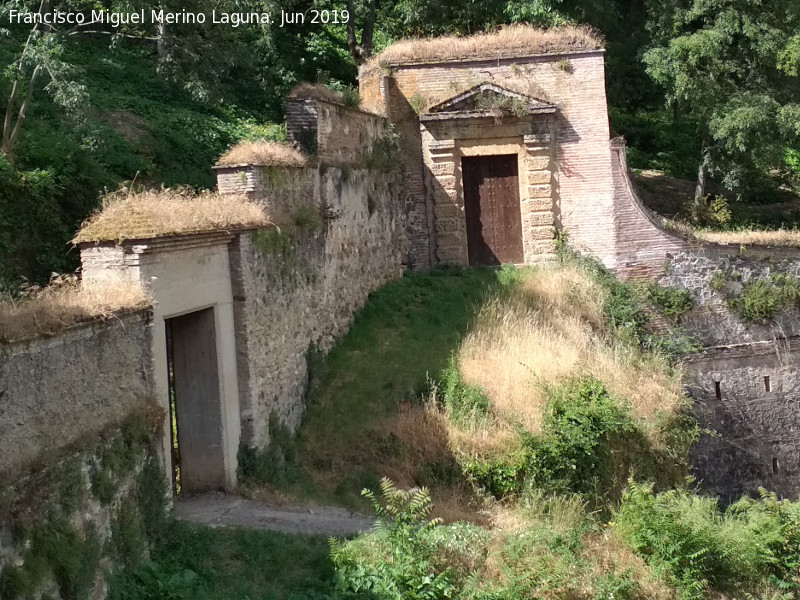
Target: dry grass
x=64, y=303
x=550, y=329
x=264, y=153
x=513, y=40
x=780, y=237
x=150, y=214
x=609, y=554
x=315, y=91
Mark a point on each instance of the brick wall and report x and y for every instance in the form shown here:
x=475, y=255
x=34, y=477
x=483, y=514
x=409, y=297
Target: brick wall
x=582, y=179
x=642, y=243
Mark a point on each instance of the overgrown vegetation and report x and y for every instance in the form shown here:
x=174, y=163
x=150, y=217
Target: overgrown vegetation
x=127, y=214
x=761, y=299
x=37, y=310
x=54, y=548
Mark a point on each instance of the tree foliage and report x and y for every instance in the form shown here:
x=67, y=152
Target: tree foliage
x=729, y=64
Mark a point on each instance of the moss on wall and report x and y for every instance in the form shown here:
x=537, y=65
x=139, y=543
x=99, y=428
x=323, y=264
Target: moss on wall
x=105, y=500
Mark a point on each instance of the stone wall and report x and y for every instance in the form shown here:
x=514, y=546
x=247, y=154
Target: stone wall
x=582, y=178
x=333, y=133
x=56, y=392
x=747, y=394
x=711, y=320
x=77, y=426
x=297, y=289
x=65, y=527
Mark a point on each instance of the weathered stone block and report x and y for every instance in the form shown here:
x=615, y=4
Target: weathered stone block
x=537, y=204
x=541, y=233
x=539, y=177
x=451, y=238
x=447, y=182
x=442, y=169
x=539, y=191
x=443, y=196
x=536, y=219
x=447, y=225
x=537, y=162
x=454, y=255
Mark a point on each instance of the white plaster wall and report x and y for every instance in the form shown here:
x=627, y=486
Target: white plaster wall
x=184, y=280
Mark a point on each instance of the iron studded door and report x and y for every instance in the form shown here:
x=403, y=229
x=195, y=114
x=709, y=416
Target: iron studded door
x=491, y=204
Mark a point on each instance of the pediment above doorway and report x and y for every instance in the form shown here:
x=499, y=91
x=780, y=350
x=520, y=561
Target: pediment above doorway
x=487, y=100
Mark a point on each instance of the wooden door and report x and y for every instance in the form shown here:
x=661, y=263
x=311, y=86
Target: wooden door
x=491, y=204
x=196, y=408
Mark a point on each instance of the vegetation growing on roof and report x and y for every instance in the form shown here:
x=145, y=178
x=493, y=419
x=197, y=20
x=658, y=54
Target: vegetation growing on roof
x=510, y=41
x=64, y=303
x=141, y=215
x=263, y=152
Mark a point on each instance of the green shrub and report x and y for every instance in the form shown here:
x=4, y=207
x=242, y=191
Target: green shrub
x=581, y=423
x=466, y=405
x=276, y=464
x=409, y=556
x=152, y=581
x=350, y=97
x=697, y=545
x=718, y=281
x=502, y=477
x=759, y=301
x=574, y=453
x=671, y=301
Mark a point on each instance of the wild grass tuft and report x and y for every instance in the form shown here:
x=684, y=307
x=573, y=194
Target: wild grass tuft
x=509, y=41
x=129, y=215
x=64, y=303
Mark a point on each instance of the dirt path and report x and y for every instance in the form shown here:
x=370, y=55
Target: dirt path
x=234, y=511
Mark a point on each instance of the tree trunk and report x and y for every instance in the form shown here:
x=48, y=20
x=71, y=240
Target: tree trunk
x=700, y=187
x=161, y=42
x=361, y=51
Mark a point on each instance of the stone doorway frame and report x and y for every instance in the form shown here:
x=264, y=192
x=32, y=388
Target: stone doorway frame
x=449, y=135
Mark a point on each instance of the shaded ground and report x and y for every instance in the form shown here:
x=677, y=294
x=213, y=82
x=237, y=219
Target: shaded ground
x=402, y=339
x=669, y=196
x=234, y=511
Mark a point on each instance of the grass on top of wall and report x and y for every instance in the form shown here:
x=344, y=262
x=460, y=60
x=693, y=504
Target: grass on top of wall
x=64, y=303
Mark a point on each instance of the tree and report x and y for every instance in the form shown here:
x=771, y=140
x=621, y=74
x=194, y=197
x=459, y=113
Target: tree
x=39, y=59
x=720, y=61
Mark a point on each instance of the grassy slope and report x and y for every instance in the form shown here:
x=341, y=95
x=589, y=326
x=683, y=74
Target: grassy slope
x=133, y=126
x=404, y=335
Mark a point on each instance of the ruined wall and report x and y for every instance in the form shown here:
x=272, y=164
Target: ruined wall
x=583, y=177
x=333, y=133
x=57, y=391
x=297, y=290
x=717, y=274
x=747, y=394
x=297, y=287
x=77, y=427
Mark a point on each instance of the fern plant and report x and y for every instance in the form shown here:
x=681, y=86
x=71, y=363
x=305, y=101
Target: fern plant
x=399, y=562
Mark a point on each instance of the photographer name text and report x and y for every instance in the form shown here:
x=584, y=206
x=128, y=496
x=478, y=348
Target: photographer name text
x=162, y=17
